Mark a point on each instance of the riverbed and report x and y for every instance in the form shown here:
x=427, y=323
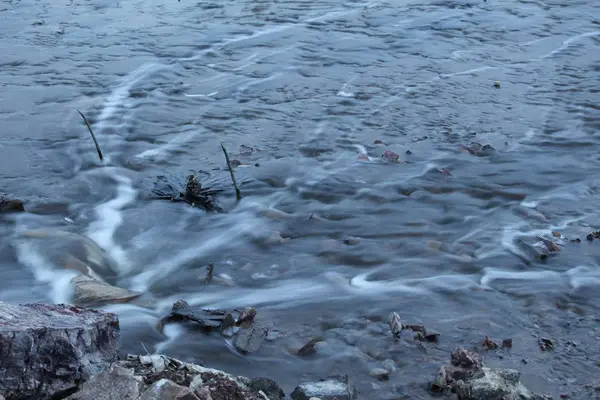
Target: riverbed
x=330, y=236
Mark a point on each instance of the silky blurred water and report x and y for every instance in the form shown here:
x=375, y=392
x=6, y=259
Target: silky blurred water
x=297, y=91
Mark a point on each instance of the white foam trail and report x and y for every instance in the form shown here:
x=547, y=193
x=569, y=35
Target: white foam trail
x=160, y=153
x=299, y=291
x=201, y=95
x=492, y=274
x=246, y=224
x=467, y=72
x=44, y=272
x=172, y=332
x=583, y=276
x=109, y=219
x=121, y=92
x=343, y=91
x=567, y=43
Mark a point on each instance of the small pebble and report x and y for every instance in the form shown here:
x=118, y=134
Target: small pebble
x=380, y=374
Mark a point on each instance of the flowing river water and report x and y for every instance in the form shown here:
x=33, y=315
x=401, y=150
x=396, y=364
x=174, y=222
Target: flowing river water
x=297, y=91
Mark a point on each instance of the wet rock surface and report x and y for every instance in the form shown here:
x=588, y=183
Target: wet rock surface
x=167, y=378
x=89, y=292
x=46, y=350
x=337, y=388
x=11, y=205
x=470, y=380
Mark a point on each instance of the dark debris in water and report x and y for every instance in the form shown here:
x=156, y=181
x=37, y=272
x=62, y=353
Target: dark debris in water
x=8, y=205
x=593, y=235
x=250, y=334
x=479, y=150
x=545, y=344
x=190, y=192
x=309, y=347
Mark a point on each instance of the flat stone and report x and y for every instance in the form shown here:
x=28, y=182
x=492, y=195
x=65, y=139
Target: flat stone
x=115, y=383
x=331, y=389
x=165, y=389
x=88, y=292
x=47, y=349
x=249, y=340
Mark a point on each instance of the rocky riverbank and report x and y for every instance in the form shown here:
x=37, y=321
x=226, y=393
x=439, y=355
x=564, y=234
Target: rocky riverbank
x=68, y=352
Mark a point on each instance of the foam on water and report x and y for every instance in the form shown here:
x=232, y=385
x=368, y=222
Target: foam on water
x=44, y=272
x=109, y=219
x=243, y=224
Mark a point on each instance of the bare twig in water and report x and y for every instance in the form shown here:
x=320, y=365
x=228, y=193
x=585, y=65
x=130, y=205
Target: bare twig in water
x=87, y=123
x=238, y=194
x=209, y=274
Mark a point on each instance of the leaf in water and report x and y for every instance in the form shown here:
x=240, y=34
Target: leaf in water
x=395, y=324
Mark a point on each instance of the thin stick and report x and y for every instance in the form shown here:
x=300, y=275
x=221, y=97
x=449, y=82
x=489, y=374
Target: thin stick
x=238, y=194
x=151, y=360
x=87, y=123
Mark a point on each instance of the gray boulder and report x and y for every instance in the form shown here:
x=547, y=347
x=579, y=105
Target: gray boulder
x=47, y=350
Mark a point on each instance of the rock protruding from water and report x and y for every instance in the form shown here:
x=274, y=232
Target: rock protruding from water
x=338, y=388
x=46, y=350
x=498, y=383
x=8, y=206
x=90, y=292
x=471, y=380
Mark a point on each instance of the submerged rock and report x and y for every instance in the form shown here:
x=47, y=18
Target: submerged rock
x=7, y=205
x=46, y=350
x=331, y=389
x=69, y=250
x=250, y=339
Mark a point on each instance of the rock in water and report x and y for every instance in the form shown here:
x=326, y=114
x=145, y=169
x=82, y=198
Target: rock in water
x=330, y=389
x=46, y=350
x=90, y=292
x=7, y=206
x=72, y=251
x=490, y=384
